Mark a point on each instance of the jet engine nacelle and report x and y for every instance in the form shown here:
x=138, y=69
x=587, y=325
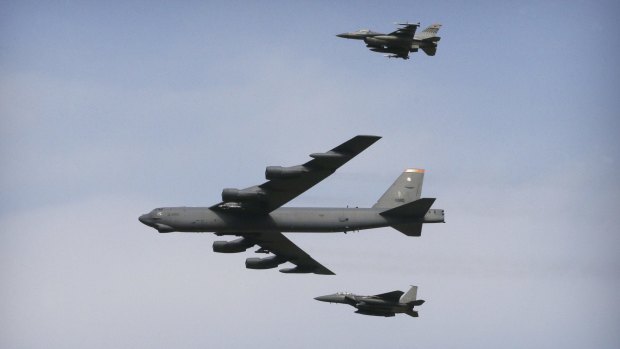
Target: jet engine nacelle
x=297, y=270
x=263, y=263
x=236, y=195
x=279, y=172
x=234, y=246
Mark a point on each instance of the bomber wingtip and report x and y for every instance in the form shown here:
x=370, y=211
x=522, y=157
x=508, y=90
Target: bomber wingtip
x=370, y=136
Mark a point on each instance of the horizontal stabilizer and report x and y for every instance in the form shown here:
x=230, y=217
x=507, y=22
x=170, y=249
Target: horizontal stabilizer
x=416, y=208
x=430, y=50
x=417, y=302
x=412, y=313
x=410, y=229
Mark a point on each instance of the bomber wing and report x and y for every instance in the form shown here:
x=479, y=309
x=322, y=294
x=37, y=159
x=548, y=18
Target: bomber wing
x=285, y=251
x=286, y=183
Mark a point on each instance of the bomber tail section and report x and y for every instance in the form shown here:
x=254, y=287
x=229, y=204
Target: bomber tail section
x=402, y=204
x=414, y=209
x=407, y=188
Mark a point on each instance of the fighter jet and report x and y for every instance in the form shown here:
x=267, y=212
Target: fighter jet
x=385, y=304
x=400, y=42
x=255, y=214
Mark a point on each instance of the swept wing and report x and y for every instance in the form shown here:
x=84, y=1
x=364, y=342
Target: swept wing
x=285, y=251
x=283, y=185
x=405, y=31
x=286, y=183
x=393, y=296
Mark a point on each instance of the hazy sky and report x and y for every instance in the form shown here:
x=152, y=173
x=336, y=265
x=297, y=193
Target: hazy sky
x=109, y=109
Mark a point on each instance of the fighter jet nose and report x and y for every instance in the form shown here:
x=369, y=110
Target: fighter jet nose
x=143, y=219
x=323, y=298
x=340, y=35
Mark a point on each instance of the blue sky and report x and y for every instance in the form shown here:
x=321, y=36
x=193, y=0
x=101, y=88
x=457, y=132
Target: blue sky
x=111, y=109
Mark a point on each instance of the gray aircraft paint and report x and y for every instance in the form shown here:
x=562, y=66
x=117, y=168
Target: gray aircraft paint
x=385, y=304
x=400, y=42
x=258, y=219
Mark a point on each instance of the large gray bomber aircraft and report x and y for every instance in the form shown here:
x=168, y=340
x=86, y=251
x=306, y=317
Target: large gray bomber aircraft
x=385, y=304
x=255, y=214
x=400, y=42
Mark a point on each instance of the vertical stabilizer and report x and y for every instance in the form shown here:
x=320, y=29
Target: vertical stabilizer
x=407, y=188
x=429, y=32
x=410, y=296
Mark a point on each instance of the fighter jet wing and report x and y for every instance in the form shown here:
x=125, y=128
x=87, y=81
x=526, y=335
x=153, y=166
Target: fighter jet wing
x=406, y=31
x=393, y=296
x=286, y=183
x=287, y=251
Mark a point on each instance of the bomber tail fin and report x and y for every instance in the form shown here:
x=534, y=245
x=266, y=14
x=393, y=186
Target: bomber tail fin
x=402, y=200
x=407, y=188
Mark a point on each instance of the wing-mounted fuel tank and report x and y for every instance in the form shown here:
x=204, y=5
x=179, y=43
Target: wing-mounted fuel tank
x=264, y=263
x=234, y=246
x=279, y=172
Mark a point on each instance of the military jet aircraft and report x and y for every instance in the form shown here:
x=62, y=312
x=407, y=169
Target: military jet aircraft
x=385, y=304
x=255, y=214
x=400, y=42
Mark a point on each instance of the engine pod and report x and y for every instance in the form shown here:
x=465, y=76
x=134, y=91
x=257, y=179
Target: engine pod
x=234, y=246
x=263, y=263
x=280, y=172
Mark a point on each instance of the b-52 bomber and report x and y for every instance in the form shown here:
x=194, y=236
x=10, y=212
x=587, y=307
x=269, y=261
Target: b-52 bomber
x=256, y=215
x=385, y=304
x=400, y=42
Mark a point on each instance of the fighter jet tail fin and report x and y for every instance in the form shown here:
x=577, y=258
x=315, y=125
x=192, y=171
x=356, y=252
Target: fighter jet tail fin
x=410, y=297
x=429, y=32
x=407, y=188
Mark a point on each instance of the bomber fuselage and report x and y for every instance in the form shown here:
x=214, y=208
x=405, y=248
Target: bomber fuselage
x=286, y=219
